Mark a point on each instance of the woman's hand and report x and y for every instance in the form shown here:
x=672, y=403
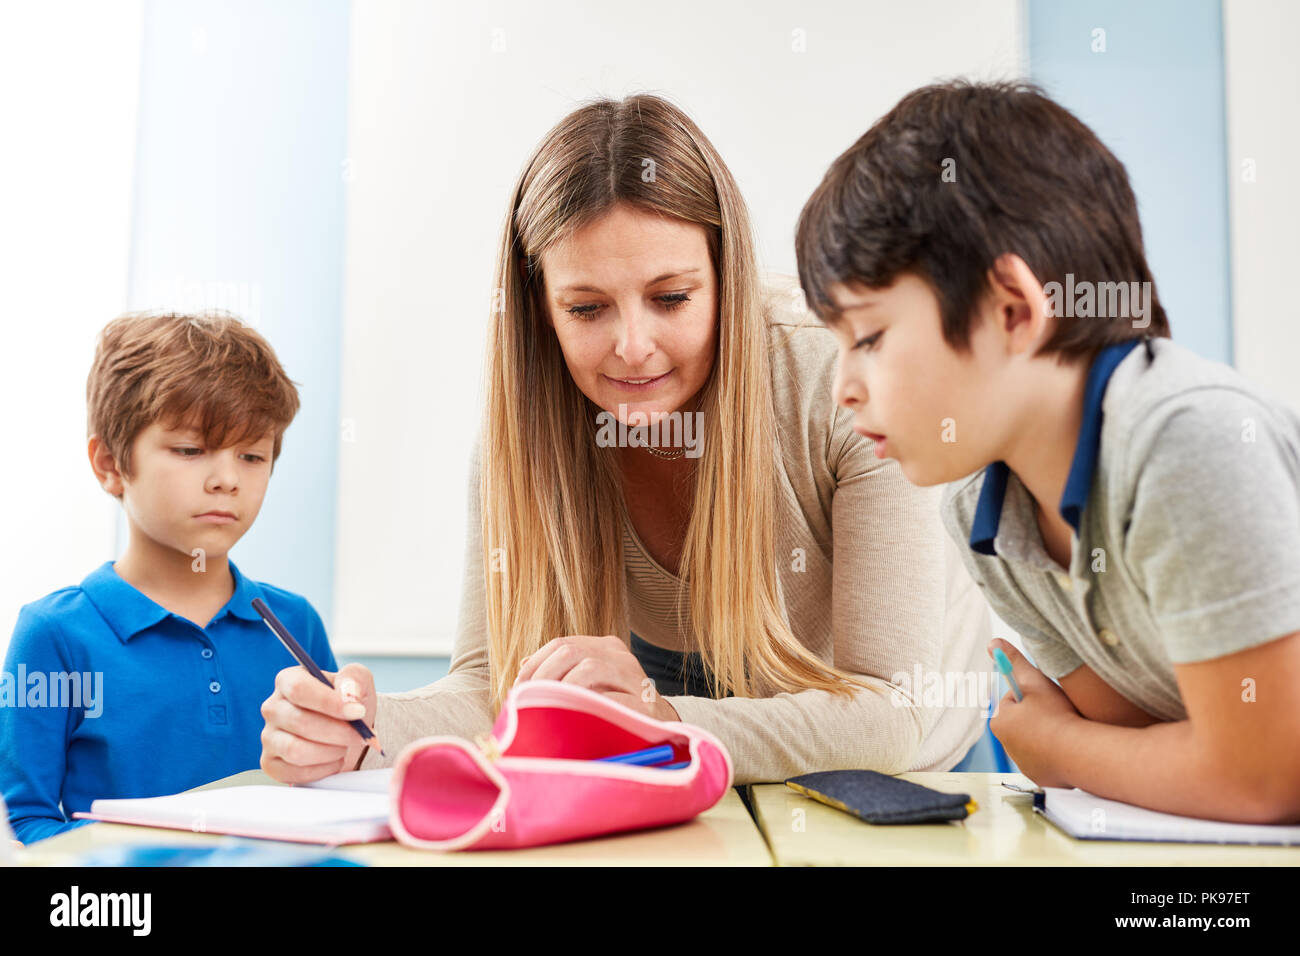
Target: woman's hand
x=603, y=664
x=308, y=734
x=1035, y=731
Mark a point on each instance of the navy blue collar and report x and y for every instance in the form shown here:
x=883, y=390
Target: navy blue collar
x=128, y=611
x=1078, y=485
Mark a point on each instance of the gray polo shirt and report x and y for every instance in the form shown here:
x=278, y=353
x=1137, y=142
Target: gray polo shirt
x=1184, y=496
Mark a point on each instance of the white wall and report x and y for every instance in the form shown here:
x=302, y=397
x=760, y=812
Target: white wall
x=69, y=74
x=446, y=103
x=1263, y=87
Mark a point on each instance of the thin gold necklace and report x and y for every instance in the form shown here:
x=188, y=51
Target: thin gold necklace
x=665, y=455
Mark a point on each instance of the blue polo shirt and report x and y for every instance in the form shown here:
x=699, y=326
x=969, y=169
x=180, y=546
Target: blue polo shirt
x=106, y=693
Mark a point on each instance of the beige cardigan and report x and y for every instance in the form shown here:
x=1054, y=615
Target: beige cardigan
x=885, y=594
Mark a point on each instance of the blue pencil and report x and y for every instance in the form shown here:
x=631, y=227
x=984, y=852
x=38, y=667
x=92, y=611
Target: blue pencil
x=296, y=649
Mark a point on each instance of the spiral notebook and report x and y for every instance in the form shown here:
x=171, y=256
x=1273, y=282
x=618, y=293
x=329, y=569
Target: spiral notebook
x=349, y=807
x=1087, y=817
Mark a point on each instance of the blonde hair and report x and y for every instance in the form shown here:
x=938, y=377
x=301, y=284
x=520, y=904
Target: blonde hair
x=551, y=498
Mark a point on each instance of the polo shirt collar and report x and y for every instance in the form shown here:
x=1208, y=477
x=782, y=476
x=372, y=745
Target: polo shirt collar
x=128, y=611
x=241, y=602
x=1078, y=484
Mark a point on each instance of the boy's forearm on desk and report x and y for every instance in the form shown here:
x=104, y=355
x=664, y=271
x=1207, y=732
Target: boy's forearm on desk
x=1164, y=767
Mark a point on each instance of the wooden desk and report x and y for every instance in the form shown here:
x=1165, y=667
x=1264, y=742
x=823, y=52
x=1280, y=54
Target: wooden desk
x=723, y=836
x=1004, y=831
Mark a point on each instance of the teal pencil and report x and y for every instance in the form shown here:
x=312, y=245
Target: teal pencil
x=1004, y=665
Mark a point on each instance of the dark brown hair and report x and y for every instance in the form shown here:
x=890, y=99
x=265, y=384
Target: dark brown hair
x=1023, y=176
x=207, y=370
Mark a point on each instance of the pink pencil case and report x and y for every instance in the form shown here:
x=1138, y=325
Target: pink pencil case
x=536, y=778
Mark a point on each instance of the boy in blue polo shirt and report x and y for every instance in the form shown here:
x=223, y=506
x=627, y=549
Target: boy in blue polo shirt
x=1131, y=509
x=148, y=677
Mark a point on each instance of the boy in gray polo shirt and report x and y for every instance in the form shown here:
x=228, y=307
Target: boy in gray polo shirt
x=1131, y=509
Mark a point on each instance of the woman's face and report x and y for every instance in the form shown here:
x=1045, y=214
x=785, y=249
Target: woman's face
x=633, y=299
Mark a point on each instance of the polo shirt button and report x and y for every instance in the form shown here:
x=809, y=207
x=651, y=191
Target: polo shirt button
x=1108, y=637
x=1064, y=581
x=206, y=653
x=215, y=687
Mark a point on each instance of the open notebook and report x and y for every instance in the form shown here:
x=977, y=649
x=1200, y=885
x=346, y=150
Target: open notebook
x=1086, y=817
x=347, y=807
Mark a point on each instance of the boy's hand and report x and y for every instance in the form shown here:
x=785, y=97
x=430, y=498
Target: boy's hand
x=308, y=734
x=1034, y=731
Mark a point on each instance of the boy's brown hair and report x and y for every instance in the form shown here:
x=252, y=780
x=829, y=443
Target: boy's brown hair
x=959, y=173
x=208, y=370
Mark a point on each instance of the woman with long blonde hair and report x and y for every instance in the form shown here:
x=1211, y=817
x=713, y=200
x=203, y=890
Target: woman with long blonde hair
x=761, y=573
